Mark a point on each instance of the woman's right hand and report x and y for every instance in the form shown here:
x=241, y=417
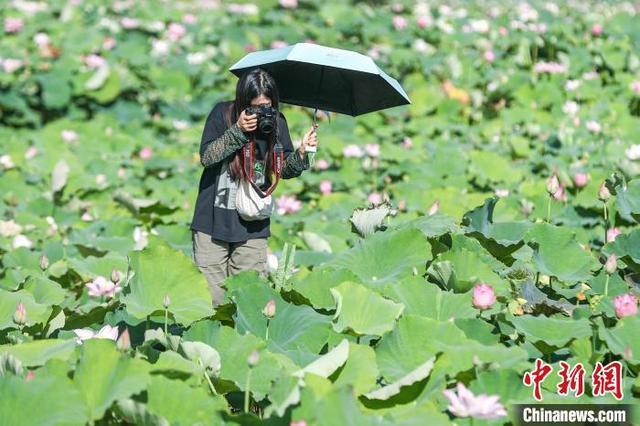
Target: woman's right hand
x=248, y=122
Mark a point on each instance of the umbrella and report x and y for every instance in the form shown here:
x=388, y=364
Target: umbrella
x=326, y=78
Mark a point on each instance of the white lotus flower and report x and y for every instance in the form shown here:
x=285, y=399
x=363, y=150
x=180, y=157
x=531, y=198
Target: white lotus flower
x=9, y=228
x=21, y=241
x=106, y=332
x=633, y=152
x=570, y=108
x=140, y=236
x=6, y=161
x=466, y=404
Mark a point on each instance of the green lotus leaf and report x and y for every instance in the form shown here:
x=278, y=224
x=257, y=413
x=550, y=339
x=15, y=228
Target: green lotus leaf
x=426, y=299
x=624, y=338
x=315, y=285
x=386, y=256
x=328, y=363
x=38, y=352
x=386, y=392
x=159, y=271
x=551, y=330
x=628, y=200
x=104, y=375
x=178, y=402
x=296, y=330
x=625, y=245
x=46, y=399
x=559, y=254
x=360, y=370
x=434, y=225
x=36, y=313
x=362, y=310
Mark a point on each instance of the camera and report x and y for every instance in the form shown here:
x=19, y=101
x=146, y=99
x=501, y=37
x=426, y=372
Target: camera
x=266, y=117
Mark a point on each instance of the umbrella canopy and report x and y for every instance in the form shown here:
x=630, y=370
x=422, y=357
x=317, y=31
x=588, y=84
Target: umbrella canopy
x=326, y=78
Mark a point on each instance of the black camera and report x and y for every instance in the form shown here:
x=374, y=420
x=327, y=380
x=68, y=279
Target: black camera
x=266, y=117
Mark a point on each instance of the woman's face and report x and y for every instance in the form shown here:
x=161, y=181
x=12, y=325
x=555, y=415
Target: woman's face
x=261, y=100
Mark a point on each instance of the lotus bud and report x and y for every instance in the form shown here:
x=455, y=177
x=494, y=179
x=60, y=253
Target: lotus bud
x=483, y=296
x=124, y=341
x=166, y=301
x=603, y=192
x=44, y=262
x=434, y=208
x=553, y=184
x=20, y=315
x=611, y=264
x=115, y=276
x=30, y=376
x=269, y=309
x=253, y=358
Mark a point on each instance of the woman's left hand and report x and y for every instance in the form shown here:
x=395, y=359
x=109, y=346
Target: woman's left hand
x=309, y=139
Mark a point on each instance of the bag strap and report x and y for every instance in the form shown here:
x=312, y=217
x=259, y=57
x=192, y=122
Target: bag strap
x=248, y=161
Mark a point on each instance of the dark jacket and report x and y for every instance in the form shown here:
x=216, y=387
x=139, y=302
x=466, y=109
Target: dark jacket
x=220, y=141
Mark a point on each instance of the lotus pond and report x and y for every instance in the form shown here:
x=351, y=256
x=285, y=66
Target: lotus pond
x=430, y=260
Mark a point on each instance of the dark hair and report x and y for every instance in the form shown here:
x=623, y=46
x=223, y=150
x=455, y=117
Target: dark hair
x=251, y=85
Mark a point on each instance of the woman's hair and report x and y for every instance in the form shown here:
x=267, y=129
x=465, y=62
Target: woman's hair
x=251, y=85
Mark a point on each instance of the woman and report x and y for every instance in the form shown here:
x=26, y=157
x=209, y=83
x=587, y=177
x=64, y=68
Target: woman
x=224, y=243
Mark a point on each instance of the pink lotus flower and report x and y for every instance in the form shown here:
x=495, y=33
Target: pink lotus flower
x=581, y=179
x=94, y=61
x=11, y=65
x=553, y=184
x=483, y=296
x=108, y=43
x=189, y=19
x=626, y=305
x=69, y=135
x=13, y=25
x=31, y=152
x=503, y=31
x=145, y=153
x=289, y=4
x=250, y=47
x=424, y=21
x=20, y=314
x=635, y=86
x=612, y=233
x=106, y=332
x=372, y=149
x=175, y=31
x=374, y=198
x=325, y=187
x=489, y=56
x=399, y=22
x=287, y=204
x=466, y=404
x=560, y=194
x=352, y=150
x=596, y=30
x=129, y=23
x=322, y=164
x=101, y=286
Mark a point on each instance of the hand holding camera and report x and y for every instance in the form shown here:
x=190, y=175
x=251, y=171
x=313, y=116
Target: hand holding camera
x=248, y=122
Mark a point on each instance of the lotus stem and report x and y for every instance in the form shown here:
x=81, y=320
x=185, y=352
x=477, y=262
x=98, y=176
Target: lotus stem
x=206, y=376
x=606, y=222
x=549, y=210
x=166, y=320
x=246, y=392
x=267, y=333
x=606, y=285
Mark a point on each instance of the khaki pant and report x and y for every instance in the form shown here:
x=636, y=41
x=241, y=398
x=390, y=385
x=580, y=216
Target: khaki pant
x=218, y=259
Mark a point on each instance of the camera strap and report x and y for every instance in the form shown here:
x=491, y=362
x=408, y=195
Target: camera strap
x=248, y=162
